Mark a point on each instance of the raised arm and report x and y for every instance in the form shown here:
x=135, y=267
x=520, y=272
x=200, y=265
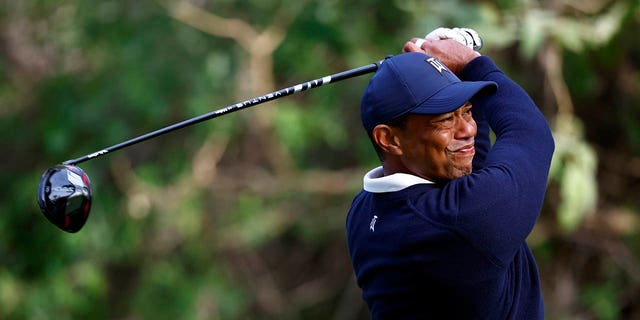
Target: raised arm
x=498, y=204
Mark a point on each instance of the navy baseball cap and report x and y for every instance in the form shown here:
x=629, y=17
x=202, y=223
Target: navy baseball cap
x=415, y=83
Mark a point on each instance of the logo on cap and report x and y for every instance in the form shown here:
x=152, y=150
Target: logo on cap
x=437, y=64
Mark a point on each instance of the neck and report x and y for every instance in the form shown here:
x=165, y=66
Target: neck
x=389, y=167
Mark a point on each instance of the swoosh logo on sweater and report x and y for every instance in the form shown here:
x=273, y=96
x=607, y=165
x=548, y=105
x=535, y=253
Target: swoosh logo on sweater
x=372, y=224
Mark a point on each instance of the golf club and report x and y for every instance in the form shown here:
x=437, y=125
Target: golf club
x=64, y=192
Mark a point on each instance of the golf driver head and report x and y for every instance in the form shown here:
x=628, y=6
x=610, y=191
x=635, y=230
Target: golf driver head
x=64, y=196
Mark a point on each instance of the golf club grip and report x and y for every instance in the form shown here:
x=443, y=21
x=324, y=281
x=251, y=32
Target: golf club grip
x=235, y=107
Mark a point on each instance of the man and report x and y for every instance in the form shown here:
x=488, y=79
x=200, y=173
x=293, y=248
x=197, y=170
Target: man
x=438, y=231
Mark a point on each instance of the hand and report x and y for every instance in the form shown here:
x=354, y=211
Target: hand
x=466, y=36
x=451, y=55
x=449, y=51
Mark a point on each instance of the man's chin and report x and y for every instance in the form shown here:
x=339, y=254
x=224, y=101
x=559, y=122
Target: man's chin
x=461, y=171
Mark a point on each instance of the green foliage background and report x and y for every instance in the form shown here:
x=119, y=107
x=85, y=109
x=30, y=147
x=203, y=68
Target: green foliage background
x=242, y=217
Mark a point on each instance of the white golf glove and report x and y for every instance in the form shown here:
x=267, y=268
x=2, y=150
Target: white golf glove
x=465, y=36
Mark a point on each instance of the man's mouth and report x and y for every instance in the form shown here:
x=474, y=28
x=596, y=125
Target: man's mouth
x=465, y=150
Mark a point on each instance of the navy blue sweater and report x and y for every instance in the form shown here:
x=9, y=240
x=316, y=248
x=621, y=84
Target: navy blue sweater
x=458, y=250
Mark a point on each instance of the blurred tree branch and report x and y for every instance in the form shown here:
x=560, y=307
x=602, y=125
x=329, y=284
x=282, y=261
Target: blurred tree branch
x=551, y=60
x=257, y=77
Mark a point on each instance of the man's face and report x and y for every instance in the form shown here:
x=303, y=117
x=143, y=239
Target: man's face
x=438, y=147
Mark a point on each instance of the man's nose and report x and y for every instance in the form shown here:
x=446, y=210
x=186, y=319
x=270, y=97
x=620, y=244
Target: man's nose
x=465, y=128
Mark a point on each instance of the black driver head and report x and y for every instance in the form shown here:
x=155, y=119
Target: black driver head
x=64, y=196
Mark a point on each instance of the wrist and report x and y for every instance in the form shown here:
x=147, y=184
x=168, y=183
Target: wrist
x=477, y=69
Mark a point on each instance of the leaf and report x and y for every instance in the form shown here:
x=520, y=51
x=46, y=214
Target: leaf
x=574, y=166
x=577, y=188
x=533, y=31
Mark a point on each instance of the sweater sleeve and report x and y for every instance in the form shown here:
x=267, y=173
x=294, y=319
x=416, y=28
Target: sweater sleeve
x=499, y=204
x=483, y=138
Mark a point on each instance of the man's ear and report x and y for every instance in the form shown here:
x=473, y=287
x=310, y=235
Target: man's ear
x=386, y=138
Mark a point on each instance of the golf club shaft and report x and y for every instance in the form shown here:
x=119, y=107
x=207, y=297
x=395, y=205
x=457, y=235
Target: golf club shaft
x=235, y=107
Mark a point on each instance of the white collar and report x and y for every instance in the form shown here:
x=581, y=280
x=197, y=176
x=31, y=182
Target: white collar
x=375, y=181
